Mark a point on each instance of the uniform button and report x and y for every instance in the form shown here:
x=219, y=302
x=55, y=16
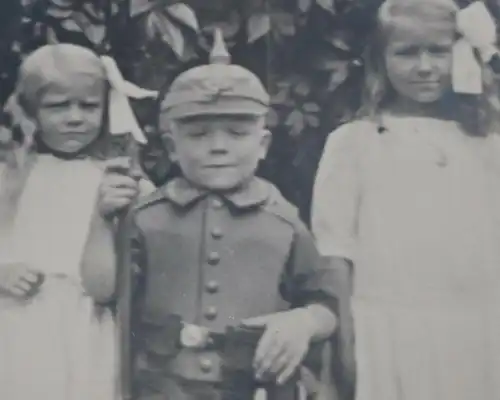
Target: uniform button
x=206, y=364
x=211, y=313
x=213, y=258
x=217, y=203
x=212, y=286
x=216, y=233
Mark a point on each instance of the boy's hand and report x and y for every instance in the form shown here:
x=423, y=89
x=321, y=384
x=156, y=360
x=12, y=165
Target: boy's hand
x=283, y=345
x=118, y=188
x=17, y=280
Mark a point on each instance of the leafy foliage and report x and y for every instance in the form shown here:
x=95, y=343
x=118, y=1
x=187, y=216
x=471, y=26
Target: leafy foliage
x=307, y=51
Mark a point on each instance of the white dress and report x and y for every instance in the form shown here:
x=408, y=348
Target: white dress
x=57, y=345
x=417, y=208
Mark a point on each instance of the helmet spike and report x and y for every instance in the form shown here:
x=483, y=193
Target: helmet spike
x=219, y=53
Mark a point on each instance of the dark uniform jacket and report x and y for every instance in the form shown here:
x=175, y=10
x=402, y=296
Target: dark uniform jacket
x=212, y=260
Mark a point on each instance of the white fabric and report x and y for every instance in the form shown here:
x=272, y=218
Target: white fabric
x=57, y=345
x=466, y=72
x=417, y=210
x=477, y=25
x=121, y=117
x=54, y=212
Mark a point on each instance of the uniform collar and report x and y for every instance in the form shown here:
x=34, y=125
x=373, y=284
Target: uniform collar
x=183, y=193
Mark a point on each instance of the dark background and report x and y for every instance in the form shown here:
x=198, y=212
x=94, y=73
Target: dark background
x=308, y=52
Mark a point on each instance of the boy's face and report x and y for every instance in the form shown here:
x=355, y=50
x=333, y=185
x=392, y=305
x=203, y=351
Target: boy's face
x=218, y=152
x=418, y=58
x=70, y=113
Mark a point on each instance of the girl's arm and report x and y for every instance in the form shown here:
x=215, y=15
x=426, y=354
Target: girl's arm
x=335, y=213
x=342, y=270
x=98, y=269
x=116, y=193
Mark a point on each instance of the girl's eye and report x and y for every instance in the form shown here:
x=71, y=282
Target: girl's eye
x=406, y=51
x=197, y=134
x=56, y=105
x=439, y=50
x=91, y=105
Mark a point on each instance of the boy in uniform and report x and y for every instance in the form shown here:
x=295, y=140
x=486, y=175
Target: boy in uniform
x=228, y=296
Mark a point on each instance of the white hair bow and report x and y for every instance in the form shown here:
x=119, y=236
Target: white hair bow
x=478, y=30
x=121, y=117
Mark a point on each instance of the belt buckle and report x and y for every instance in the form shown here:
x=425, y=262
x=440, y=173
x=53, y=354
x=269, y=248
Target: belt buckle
x=194, y=336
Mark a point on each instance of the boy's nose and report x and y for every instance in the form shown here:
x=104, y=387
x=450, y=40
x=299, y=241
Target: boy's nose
x=218, y=142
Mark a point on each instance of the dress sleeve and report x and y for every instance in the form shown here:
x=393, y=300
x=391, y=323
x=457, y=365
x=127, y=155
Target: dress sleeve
x=336, y=194
x=308, y=279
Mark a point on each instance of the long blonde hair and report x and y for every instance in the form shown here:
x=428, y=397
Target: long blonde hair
x=477, y=114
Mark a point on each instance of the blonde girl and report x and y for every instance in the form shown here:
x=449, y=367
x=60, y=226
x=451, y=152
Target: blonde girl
x=406, y=207
x=57, y=337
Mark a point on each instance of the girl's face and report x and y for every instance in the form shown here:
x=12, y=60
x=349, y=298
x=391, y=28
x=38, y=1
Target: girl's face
x=70, y=112
x=418, y=59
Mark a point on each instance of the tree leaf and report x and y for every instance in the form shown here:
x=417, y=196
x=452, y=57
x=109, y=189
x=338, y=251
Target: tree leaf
x=302, y=88
x=328, y=5
x=304, y=5
x=184, y=15
x=51, y=36
x=138, y=7
x=293, y=118
x=280, y=97
x=70, y=25
x=95, y=32
x=66, y=4
x=283, y=23
x=258, y=25
x=272, y=118
x=296, y=122
x=311, y=107
x=338, y=75
x=312, y=120
x=158, y=24
x=57, y=12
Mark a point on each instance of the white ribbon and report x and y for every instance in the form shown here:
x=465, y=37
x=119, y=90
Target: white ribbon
x=478, y=30
x=466, y=73
x=121, y=117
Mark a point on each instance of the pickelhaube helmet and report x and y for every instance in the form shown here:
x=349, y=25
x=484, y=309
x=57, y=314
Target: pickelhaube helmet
x=217, y=88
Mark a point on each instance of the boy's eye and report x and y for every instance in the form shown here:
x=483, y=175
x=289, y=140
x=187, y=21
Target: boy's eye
x=239, y=132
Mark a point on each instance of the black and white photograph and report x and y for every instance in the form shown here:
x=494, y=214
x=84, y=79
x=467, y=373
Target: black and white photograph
x=249, y=200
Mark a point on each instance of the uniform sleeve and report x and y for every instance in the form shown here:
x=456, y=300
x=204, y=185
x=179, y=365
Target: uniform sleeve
x=131, y=257
x=336, y=194
x=308, y=279
x=138, y=260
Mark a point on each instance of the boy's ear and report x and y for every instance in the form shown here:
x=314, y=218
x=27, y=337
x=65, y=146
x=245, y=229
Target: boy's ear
x=265, y=142
x=169, y=143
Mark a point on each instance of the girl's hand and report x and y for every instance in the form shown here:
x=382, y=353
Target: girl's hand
x=118, y=188
x=18, y=280
x=283, y=345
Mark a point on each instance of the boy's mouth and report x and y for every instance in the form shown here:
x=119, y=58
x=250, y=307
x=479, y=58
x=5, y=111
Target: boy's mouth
x=219, y=166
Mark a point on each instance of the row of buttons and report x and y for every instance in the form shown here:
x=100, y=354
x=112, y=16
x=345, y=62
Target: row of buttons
x=212, y=286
